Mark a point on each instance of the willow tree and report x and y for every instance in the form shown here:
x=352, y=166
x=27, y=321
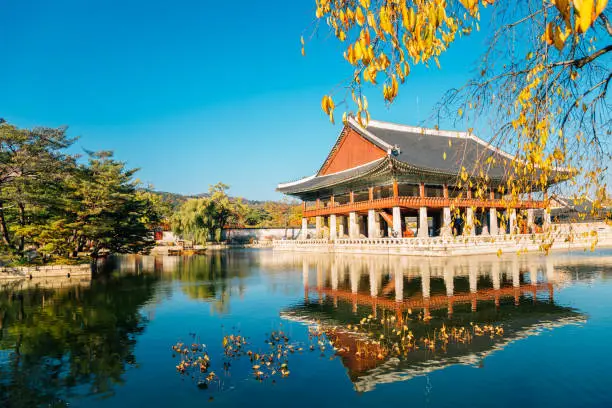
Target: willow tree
x=541, y=84
x=203, y=219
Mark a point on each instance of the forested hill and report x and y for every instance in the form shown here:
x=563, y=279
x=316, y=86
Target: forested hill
x=175, y=199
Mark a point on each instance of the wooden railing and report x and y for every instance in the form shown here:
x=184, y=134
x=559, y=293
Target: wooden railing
x=416, y=203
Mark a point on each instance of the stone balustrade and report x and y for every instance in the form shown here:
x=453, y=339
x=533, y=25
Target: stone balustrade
x=452, y=245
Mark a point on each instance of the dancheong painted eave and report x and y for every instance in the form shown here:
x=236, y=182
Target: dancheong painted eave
x=410, y=154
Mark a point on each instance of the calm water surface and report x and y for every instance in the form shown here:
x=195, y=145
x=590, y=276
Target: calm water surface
x=108, y=342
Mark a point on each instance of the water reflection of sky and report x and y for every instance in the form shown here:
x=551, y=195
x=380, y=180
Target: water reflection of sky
x=107, y=343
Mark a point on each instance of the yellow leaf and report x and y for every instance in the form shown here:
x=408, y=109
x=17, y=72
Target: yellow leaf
x=548, y=33
x=444, y=156
x=584, y=10
x=563, y=7
x=560, y=37
x=359, y=17
x=599, y=8
x=470, y=5
x=385, y=19
x=372, y=20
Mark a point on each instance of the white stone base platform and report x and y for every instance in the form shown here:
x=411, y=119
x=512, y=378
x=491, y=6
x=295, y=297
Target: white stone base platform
x=453, y=246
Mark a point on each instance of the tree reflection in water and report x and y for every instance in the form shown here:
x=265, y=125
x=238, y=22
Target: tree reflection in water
x=209, y=278
x=58, y=343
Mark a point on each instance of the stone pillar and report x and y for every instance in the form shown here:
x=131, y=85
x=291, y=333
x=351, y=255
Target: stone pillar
x=319, y=275
x=341, y=226
x=493, y=229
x=377, y=231
x=399, y=286
x=373, y=283
x=550, y=270
x=426, y=281
x=495, y=275
x=530, y=221
x=449, y=280
x=447, y=230
x=354, y=278
x=353, y=226
x=304, y=228
x=473, y=278
x=423, y=231
x=483, y=223
x=319, y=226
x=546, y=220
x=533, y=274
x=516, y=274
x=372, y=233
x=397, y=222
x=469, y=228
x=333, y=233
x=512, y=221
x=503, y=223
x=334, y=275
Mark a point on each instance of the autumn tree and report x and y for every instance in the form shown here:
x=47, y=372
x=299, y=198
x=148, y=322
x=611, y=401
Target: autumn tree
x=284, y=213
x=541, y=85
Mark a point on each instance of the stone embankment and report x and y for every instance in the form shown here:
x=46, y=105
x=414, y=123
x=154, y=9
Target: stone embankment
x=47, y=271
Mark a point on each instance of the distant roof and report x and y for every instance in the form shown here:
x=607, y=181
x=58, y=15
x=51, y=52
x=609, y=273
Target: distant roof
x=417, y=150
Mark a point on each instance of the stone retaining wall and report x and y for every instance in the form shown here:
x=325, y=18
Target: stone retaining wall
x=20, y=272
x=262, y=234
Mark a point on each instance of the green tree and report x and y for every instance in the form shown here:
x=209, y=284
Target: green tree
x=33, y=169
x=53, y=207
x=203, y=219
x=108, y=212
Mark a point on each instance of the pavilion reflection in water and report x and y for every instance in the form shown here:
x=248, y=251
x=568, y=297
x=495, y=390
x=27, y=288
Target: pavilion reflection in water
x=516, y=293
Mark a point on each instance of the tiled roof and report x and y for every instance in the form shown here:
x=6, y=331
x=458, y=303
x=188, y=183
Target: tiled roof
x=430, y=151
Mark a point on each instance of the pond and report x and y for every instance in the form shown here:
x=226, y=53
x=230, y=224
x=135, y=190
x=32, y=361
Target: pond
x=258, y=327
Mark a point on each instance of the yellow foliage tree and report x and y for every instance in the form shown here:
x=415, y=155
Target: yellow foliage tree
x=542, y=81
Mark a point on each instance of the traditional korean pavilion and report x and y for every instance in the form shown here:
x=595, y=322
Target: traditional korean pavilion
x=390, y=180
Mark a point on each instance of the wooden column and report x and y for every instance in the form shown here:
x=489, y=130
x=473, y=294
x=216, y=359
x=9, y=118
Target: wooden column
x=351, y=197
x=445, y=190
x=318, y=203
x=395, y=189
x=332, y=201
x=371, y=193
x=422, y=190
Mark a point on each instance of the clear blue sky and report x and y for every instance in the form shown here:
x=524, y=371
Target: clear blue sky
x=193, y=92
